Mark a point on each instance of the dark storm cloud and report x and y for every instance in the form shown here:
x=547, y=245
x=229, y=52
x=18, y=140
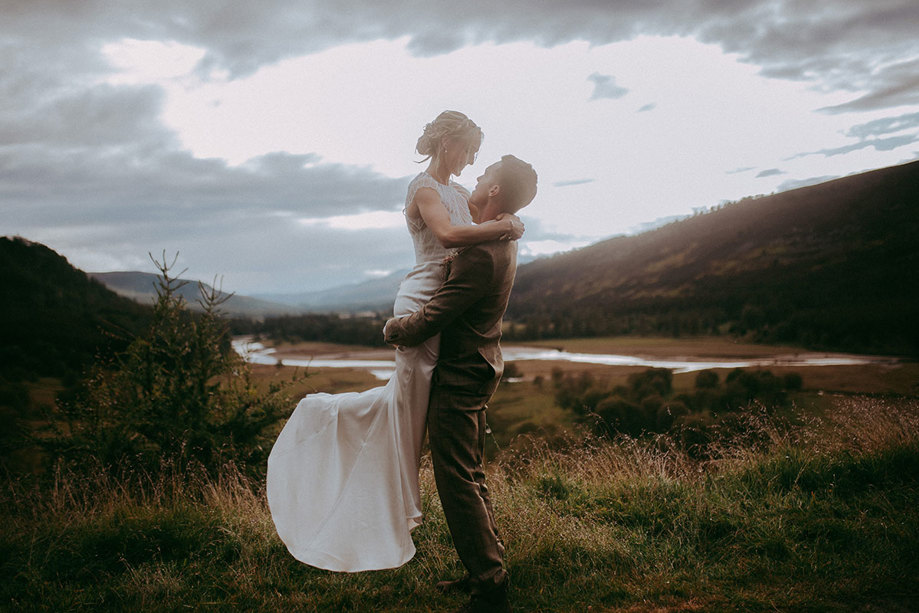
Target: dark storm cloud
x=221, y=219
x=129, y=185
x=49, y=49
x=605, y=87
x=847, y=44
x=892, y=86
x=98, y=116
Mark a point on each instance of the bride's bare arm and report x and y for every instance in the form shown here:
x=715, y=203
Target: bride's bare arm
x=436, y=217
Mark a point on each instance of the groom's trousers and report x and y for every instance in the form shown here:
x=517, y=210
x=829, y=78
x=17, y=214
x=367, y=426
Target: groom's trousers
x=457, y=440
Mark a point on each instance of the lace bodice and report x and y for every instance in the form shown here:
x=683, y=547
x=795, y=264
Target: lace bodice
x=455, y=198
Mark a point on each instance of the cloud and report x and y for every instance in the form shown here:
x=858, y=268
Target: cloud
x=572, y=182
x=133, y=185
x=892, y=86
x=256, y=252
x=648, y=107
x=605, y=87
x=796, y=183
x=769, y=173
x=870, y=136
x=887, y=125
x=851, y=45
x=878, y=144
x=652, y=225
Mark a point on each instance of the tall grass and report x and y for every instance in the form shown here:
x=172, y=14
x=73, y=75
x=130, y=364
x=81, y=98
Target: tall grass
x=822, y=516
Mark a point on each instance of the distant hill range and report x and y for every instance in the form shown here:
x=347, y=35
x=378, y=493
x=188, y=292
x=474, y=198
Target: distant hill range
x=375, y=295
x=54, y=319
x=834, y=265
x=141, y=287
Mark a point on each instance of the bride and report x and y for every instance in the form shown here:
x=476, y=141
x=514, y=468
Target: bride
x=342, y=479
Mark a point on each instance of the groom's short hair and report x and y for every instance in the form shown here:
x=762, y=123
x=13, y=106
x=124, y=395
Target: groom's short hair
x=517, y=181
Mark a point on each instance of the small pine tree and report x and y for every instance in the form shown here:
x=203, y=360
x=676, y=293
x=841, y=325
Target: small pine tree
x=179, y=392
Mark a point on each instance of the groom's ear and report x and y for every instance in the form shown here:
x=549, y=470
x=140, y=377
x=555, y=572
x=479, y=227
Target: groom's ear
x=494, y=190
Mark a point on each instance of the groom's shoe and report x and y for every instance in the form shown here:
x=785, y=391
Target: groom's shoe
x=454, y=587
x=493, y=600
x=482, y=604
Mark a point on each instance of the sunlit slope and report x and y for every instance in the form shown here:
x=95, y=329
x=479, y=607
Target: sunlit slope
x=833, y=265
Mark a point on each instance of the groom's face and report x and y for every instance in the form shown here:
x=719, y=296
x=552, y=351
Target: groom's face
x=484, y=185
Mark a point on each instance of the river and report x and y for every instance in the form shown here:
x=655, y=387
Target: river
x=257, y=353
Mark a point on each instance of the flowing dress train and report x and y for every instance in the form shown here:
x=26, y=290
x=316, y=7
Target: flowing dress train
x=342, y=481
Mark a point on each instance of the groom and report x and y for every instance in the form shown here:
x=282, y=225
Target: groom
x=467, y=311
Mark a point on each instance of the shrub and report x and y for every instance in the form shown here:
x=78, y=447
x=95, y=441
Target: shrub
x=707, y=379
x=647, y=404
x=792, y=382
x=652, y=381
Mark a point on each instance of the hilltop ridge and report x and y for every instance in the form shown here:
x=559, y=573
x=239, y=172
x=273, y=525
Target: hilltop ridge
x=54, y=319
x=832, y=265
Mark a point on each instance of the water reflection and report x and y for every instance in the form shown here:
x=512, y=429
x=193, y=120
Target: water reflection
x=683, y=365
x=257, y=353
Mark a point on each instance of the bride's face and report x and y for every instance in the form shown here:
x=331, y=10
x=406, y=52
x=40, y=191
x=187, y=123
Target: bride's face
x=458, y=154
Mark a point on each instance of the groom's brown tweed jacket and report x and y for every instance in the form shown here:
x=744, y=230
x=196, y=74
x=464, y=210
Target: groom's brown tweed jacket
x=467, y=310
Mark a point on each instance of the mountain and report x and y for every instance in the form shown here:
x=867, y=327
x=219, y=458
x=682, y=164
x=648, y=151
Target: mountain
x=53, y=318
x=141, y=287
x=833, y=266
x=373, y=295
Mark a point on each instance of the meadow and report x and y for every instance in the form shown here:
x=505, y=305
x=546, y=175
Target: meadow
x=818, y=517
x=816, y=508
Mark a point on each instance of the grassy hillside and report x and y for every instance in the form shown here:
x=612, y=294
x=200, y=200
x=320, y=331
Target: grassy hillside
x=828, y=266
x=820, y=517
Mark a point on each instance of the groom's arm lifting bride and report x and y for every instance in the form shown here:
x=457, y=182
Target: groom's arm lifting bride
x=467, y=311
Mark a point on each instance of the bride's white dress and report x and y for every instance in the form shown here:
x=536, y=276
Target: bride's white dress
x=343, y=474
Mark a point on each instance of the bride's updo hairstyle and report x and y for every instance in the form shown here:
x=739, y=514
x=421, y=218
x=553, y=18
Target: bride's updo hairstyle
x=448, y=125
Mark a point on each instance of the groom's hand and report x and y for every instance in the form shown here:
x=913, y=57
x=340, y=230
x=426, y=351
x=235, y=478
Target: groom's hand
x=389, y=332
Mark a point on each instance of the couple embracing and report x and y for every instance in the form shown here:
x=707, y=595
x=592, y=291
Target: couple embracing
x=343, y=474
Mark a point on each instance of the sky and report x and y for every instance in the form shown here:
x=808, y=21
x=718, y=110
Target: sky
x=270, y=144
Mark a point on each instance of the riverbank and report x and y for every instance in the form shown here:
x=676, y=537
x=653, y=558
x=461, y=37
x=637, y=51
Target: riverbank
x=617, y=357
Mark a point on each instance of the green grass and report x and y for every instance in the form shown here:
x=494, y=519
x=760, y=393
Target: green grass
x=822, y=517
